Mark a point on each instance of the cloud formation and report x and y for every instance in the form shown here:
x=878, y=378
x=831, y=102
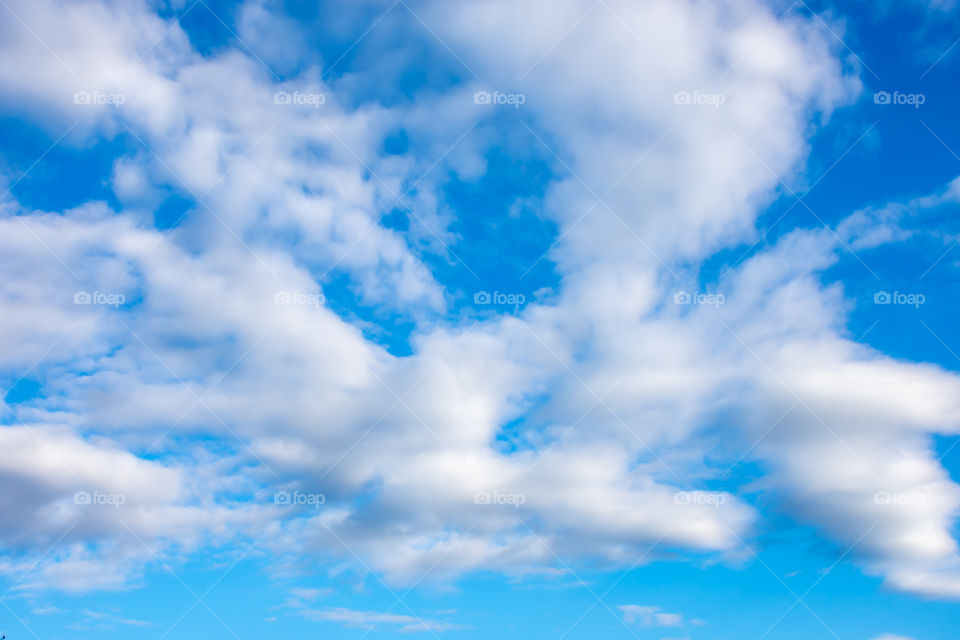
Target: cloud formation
x=225, y=375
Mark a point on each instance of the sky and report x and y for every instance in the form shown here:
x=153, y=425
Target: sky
x=541, y=318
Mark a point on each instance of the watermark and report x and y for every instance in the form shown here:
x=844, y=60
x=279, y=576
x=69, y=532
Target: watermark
x=299, y=98
x=898, y=297
x=99, y=297
x=299, y=297
x=499, y=498
x=710, y=299
x=913, y=99
x=98, y=498
x=99, y=98
x=497, y=98
x=897, y=498
x=700, y=498
x=701, y=98
x=297, y=498
x=485, y=297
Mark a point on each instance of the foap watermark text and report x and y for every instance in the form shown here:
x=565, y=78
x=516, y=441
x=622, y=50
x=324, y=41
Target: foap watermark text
x=699, y=98
x=499, y=498
x=496, y=98
x=697, y=298
x=99, y=98
x=899, y=298
x=897, y=98
x=299, y=98
x=99, y=297
x=85, y=498
x=298, y=498
x=700, y=498
x=498, y=298
x=299, y=298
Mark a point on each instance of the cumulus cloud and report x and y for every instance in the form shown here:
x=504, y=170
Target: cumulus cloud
x=224, y=331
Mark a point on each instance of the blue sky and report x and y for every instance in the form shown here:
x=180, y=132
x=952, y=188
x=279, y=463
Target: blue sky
x=552, y=319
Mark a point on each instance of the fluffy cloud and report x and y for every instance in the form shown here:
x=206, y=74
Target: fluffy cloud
x=621, y=395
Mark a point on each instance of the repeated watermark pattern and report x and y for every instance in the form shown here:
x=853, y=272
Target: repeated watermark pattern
x=686, y=101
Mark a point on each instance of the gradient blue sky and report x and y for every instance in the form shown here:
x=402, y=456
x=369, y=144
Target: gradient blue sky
x=302, y=337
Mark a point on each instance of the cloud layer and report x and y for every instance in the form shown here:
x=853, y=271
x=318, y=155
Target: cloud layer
x=596, y=426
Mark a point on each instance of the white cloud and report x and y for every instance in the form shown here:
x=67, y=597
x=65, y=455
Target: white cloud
x=898, y=221
x=310, y=594
x=645, y=616
x=110, y=618
x=620, y=390
x=373, y=620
